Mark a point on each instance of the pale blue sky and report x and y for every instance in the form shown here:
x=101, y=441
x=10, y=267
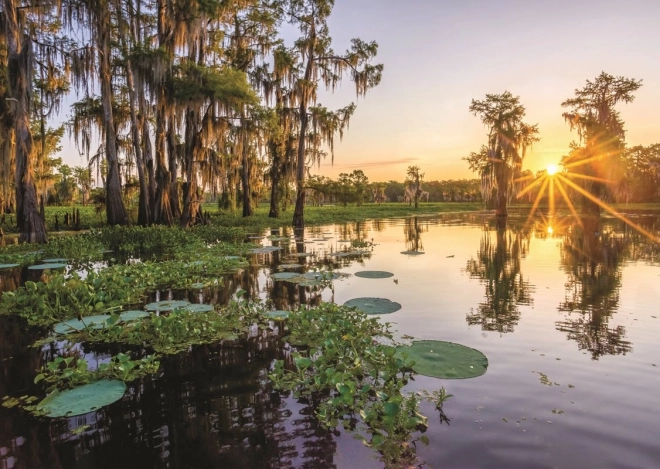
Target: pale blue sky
x=438, y=55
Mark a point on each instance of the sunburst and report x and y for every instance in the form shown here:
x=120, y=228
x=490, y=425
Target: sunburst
x=560, y=179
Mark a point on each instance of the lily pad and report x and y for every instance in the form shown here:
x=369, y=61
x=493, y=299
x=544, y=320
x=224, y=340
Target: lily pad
x=284, y=275
x=198, y=285
x=8, y=266
x=83, y=399
x=199, y=308
x=167, y=305
x=412, y=253
x=339, y=254
x=265, y=249
x=76, y=325
x=197, y=263
x=301, y=254
x=374, y=305
x=133, y=315
x=279, y=238
x=278, y=315
x=439, y=359
x=46, y=266
x=321, y=275
x=289, y=266
x=55, y=260
x=233, y=258
x=374, y=274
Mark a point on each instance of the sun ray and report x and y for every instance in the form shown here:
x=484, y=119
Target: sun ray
x=582, y=162
x=529, y=187
x=589, y=178
x=571, y=207
x=610, y=209
x=538, y=199
x=551, y=195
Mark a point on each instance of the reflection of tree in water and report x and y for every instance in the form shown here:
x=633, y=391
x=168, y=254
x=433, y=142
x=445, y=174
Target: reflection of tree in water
x=412, y=230
x=497, y=266
x=213, y=407
x=591, y=259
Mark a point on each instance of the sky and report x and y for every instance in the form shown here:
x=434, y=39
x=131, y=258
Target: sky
x=440, y=54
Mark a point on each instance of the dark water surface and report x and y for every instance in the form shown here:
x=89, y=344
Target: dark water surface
x=567, y=314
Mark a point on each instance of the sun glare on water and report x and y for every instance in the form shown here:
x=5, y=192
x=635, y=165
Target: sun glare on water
x=552, y=169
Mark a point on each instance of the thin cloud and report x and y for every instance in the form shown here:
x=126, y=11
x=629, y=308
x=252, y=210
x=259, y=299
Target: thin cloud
x=380, y=164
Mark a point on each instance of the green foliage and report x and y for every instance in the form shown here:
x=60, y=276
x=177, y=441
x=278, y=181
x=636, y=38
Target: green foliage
x=341, y=367
x=71, y=372
x=181, y=329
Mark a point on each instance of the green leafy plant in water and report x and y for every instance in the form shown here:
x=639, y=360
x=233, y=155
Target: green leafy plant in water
x=346, y=373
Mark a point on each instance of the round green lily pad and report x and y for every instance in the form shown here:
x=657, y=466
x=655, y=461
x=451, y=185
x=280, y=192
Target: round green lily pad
x=55, y=260
x=265, y=250
x=289, y=266
x=76, y=325
x=199, y=308
x=439, y=359
x=197, y=263
x=167, y=305
x=278, y=315
x=412, y=253
x=321, y=275
x=279, y=238
x=344, y=241
x=339, y=254
x=83, y=399
x=233, y=258
x=374, y=305
x=133, y=315
x=46, y=266
x=8, y=266
x=284, y=275
x=374, y=274
x=198, y=285
x=301, y=254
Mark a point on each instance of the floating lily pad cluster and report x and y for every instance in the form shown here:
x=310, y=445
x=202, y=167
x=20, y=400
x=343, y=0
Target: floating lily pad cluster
x=308, y=279
x=374, y=274
x=82, y=399
x=265, y=249
x=374, y=305
x=439, y=359
x=278, y=315
x=412, y=253
x=98, y=321
x=52, y=265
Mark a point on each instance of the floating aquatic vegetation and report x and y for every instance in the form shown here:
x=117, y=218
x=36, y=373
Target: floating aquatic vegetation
x=166, y=305
x=413, y=253
x=278, y=315
x=265, y=249
x=233, y=258
x=326, y=275
x=98, y=321
x=198, y=285
x=198, y=308
x=83, y=399
x=439, y=359
x=279, y=238
x=8, y=266
x=374, y=274
x=55, y=260
x=373, y=305
x=47, y=266
x=286, y=276
x=301, y=254
x=289, y=266
x=133, y=315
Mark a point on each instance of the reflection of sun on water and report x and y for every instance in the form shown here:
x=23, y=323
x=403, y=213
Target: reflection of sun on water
x=550, y=230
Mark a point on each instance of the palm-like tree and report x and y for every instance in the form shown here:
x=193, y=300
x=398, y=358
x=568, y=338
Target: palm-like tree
x=500, y=161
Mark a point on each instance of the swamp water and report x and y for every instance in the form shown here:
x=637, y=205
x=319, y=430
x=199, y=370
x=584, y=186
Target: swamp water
x=568, y=316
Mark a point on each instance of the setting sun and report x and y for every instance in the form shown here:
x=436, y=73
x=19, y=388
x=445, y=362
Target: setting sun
x=552, y=169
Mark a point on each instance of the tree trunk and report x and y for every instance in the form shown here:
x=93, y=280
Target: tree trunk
x=162, y=208
x=114, y=204
x=173, y=157
x=245, y=174
x=501, y=201
x=19, y=69
x=190, y=184
x=144, y=202
x=274, y=182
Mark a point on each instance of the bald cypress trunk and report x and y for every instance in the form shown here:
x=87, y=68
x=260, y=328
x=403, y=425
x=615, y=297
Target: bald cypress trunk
x=19, y=67
x=115, y=210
